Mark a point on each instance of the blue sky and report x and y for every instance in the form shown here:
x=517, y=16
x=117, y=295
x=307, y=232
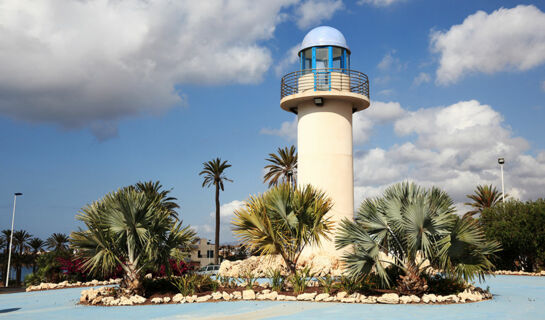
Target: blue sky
x=102, y=94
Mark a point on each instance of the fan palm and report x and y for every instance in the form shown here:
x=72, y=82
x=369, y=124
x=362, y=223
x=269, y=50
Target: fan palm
x=413, y=226
x=58, y=242
x=213, y=172
x=485, y=196
x=36, y=244
x=284, y=220
x=282, y=167
x=132, y=229
x=6, y=233
x=20, y=245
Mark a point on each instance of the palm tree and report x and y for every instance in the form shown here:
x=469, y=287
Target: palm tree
x=133, y=229
x=284, y=220
x=58, y=242
x=282, y=167
x=213, y=175
x=6, y=233
x=36, y=244
x=413, y=225
x=20, y=245
x=485, y=196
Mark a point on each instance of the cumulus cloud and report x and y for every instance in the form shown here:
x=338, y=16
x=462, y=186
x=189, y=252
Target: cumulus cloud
x=379, y=3
x=91, y=63
x=287, y=130
x=391, y=63
x=290, y=58
x=506, y=39
x=311, y=12
x=454, y=147
x=421, y=78
x=226, y=216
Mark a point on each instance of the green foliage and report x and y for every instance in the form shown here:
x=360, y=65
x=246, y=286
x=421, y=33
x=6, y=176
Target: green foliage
x=326, y=283
x=284, y=220
x=135, y=228
x=184, y=284
x=444, y=285
x=57, y=242
x=413, y=225
x=282, y=167
x=299, y=280
x=277, y=280
x=485, y=196
x=189, y=284
x=249, y=279
x=520, y=228
x=158, y=285
x=349, y=284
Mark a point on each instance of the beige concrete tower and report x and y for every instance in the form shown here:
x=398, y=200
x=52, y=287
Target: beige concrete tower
x=324, y=94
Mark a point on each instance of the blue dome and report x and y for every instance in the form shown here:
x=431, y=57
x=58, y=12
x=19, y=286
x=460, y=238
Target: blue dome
x=324, y=36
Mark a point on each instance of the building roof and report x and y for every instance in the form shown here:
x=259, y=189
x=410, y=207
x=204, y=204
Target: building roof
x=324, y=36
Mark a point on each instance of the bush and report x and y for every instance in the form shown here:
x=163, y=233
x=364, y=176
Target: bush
x=520, y=228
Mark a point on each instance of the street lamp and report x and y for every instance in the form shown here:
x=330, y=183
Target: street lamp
x=11, y=235
x=501, y=161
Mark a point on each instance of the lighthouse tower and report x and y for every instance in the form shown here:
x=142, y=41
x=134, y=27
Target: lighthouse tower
x=324, y=94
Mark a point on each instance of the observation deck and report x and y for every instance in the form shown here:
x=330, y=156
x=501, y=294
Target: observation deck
x=325, y=83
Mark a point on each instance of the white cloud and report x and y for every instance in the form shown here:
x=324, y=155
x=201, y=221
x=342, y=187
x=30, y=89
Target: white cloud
x=311, y=12
x=287, y=130
x=290, y=58
x=227, y=210
x=379, y=3
x=391, y=63
x=421, y=78
x=378, y=113
x=506, y=39
x=90, y=63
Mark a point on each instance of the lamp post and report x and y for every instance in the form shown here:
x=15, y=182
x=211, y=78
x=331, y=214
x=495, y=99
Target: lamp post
x=11, y=235
x=501, y=161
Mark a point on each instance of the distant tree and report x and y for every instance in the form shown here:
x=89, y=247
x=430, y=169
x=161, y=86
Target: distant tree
x=520, y=228
x=284, y=220
x=6, y=233
x=20, y=245
x=213, y=173
x=282, y=167
x=57, y=242
x=485, y=196
x=36, y=244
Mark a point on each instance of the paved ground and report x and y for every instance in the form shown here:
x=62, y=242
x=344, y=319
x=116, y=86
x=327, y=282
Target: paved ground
x=516, y=297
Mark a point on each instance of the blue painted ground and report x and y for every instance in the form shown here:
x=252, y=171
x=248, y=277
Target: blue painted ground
x=515, y=297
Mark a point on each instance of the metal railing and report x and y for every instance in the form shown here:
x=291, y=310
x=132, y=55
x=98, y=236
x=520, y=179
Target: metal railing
x=327, y=79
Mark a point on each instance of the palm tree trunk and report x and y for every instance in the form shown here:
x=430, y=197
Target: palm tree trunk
x=132, y=280
x=217, y=240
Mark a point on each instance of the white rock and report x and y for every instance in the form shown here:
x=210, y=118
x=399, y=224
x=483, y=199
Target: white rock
x=290, y=298
x=124, y=301
x=237, y=295
x=136, y=299
x=405, y=299
x=321, y=297
x=427, y=298
x=306, y=296
x=190, y=299
x=204, y=298
x=217, y=295
x=177, y=298
x=414, y=299
x=157, y=300
x=390, y=298
x=329, y=299
x=281, y=297
x=266, y=291
x=226, y=296
x=166, y=299
x=341, y=295
x=248, y=295
x=348, y=300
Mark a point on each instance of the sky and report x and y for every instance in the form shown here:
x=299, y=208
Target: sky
x=97, y=95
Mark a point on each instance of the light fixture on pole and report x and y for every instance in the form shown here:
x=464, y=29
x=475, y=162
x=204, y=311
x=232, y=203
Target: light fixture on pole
x=501, y=161
x=11, y=235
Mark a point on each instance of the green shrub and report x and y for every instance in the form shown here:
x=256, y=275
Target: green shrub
x=327, y=283
x=249, y=279
x=299, y=280
x=349, y=285
x=277, y=280
x=443, y=285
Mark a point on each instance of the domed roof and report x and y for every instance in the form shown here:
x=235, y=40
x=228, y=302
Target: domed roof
x=324, y=36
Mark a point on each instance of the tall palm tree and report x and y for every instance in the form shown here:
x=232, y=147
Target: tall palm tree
x=20, y=244
x=282, y=167
x=213, y=173
x=485, y=196
x=57, y=242
x=131, y=229
x=36, y=244
x=414, y=225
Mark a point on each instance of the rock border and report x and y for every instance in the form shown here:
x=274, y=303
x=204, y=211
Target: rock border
x=102, y=297
x=519, y=273
x=65, y=284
